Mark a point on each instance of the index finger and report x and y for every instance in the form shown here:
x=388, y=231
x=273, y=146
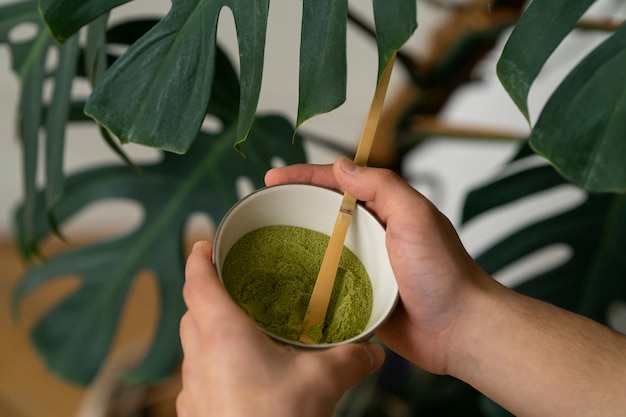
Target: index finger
x=321, y=175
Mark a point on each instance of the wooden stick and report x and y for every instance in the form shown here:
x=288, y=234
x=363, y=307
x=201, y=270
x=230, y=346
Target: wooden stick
x=320, y=298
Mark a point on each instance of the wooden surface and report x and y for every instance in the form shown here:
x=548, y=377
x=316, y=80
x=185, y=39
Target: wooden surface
x=27, y=388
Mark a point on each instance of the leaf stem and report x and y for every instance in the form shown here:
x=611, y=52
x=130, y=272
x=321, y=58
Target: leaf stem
x=435, y=126
x=605, y=25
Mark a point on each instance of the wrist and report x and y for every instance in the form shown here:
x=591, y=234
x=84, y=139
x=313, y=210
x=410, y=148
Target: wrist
x=476, y=327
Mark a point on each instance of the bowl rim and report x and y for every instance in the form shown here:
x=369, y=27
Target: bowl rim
x=361, y=337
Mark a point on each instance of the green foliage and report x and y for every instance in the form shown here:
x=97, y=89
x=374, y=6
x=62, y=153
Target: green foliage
x=168, y=192
x=582, y=128
x=158, y=93
x=170, y=69
x=537, y=34
x=394, y=25
x=322, y=84
x=592, y=278
x=66, y=18
x=322, y=57
x=28, y=61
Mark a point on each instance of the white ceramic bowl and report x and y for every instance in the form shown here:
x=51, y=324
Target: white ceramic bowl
x=315, y=208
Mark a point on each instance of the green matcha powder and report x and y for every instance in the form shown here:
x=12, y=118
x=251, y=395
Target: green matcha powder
x=270, y=272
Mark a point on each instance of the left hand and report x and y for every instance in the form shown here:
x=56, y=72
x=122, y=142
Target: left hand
x=231, y=368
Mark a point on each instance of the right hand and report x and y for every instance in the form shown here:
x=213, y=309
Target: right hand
x=436, y=277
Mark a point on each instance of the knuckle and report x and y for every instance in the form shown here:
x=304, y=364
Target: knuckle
x=188, y=293
x=186, y=325
x=187, y=370
x=181, y=405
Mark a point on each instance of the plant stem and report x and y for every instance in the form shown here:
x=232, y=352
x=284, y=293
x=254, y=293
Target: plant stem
x=434, y=126
x=605, y=25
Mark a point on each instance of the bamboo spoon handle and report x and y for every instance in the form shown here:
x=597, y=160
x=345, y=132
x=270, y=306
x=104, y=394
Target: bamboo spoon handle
x=320, y=297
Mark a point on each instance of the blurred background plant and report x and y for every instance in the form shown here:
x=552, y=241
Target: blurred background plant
x=161, y=82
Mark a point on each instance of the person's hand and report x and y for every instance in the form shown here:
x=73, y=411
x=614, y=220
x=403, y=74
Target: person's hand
x=531, y=357
x=436, y=277
x=231, y=368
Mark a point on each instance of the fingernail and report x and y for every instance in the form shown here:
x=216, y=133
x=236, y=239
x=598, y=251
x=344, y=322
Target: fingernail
x=197, y=245
x=348, y=166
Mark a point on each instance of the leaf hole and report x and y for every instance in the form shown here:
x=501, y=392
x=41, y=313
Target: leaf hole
x=50, y=66
x=138, y=323
x=227, y=36
x=36, y=304
x=277, y=162
x=23, y=33
x=199, y=226
x=534, y=264
x=85, y=147
x=81, y=86
x=244, y=186
x=493, y=225
x=116, y=50
x=52, y=59
x=103, y=219
x=616, y=316
x=212, y=124
x=523, y=164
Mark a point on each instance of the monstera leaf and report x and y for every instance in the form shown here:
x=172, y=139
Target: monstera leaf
x=84, y=324
x=322, y=85
x=594, y=276
x=66, y=18
x=169, y=72
x=582, y=128
x=28, y=58
x=156, y=93
x=542, y=27
x=47, y=120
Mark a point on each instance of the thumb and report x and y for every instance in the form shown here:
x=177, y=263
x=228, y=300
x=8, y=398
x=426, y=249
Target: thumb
x=348, y=365
x=384, y=192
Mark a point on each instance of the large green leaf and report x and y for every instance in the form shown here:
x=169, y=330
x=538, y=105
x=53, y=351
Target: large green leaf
x=582, y=128
x=66, y=17
x=96, y=58
x=322, y=84
x=156, y=93
x=595, y=231
x=542, y=27
x=95, y=49
x=45, y=122
x=395, y=23
x=83, y=325
x=56, y=120
x=28, y=61
x=24, y=52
